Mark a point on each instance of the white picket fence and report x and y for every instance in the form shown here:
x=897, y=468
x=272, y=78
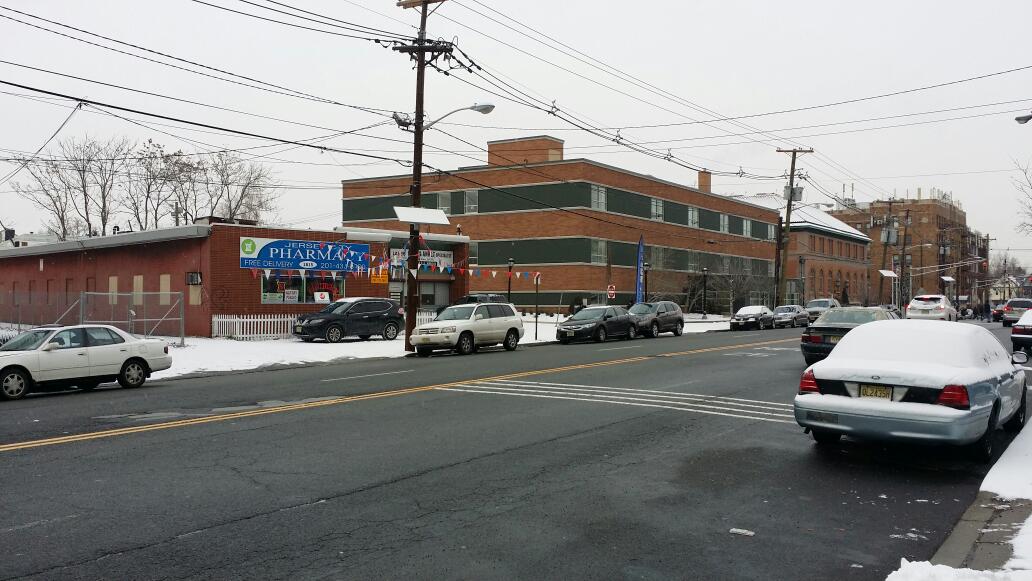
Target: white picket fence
x=252, y=327
x=425, y=316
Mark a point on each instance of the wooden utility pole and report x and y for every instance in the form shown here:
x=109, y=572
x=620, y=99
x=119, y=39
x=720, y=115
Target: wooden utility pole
x=782, y=287
x=902, y=258
x=886, y=235
x=418, y=51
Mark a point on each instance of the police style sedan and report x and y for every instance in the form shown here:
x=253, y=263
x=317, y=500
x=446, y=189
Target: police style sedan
x=918, y=381
x=82, y=356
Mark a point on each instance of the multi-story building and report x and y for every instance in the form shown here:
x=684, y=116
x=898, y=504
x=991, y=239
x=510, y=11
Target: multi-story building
x=932, y=240
x=827, y=258
x=577, y=222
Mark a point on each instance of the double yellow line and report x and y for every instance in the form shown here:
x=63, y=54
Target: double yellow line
x=347, y=399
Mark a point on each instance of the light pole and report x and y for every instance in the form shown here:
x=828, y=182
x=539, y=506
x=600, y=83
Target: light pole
x=1023, y=119
x=645, y=291
x=705, y=275
x=508, y=292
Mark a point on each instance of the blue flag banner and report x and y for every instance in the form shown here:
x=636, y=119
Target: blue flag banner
x=639, y=293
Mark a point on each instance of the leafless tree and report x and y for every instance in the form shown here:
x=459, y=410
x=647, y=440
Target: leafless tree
x=49, y=192
x=108, y=168
x=239, y=189
x=1024, y=187
x=75, y=176
x=150, y=189
x=187, y=178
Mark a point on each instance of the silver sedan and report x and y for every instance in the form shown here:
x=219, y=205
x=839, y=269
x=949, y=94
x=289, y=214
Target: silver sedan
x=917, y=381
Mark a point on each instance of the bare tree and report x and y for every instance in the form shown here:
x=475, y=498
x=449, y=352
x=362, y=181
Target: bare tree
x=239, y=189
x=77, y=159
x=150, y=188
x=107, y=168
x=49, y=192
x=187, y=178
x=1024, y=187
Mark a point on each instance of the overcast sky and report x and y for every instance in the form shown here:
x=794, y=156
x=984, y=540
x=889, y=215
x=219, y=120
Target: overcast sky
x=734, y=58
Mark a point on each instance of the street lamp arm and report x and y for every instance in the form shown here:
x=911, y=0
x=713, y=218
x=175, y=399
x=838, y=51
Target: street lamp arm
x=484, y=108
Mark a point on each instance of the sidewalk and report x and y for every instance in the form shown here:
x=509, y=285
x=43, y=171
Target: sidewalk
x=993, y=539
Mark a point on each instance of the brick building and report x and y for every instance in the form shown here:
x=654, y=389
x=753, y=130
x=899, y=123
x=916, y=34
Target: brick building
x=220, y=269
x=826, y=258
x=936, y=241
x=578, y=223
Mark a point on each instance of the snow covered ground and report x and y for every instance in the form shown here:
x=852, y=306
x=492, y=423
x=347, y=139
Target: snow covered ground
x=925, y=571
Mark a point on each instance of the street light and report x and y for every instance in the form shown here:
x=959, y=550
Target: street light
x=482, y=108
x=508, y=292
x=1023, y=119
x=645, y=292
x=705, y=274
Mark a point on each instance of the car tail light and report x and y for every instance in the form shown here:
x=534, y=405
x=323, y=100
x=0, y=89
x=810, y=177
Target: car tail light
x=940, y=308
x=1007, y=308
x=808, y=383
x=810, y=339
x=1016, y=330
x=955, y=396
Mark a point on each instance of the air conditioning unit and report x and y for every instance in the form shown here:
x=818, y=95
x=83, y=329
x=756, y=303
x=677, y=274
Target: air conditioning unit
x=193, y=278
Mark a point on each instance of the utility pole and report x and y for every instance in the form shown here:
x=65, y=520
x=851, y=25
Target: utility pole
x=777, y=265
x=418, y=51
x=902, y=258
x=782, y=279
x=886, y=235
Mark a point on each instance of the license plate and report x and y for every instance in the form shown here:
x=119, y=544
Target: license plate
x=822, y=417
x=923, y=311
x=832, y=338
x=570, y=333
x=876, y=391
x=297, y=329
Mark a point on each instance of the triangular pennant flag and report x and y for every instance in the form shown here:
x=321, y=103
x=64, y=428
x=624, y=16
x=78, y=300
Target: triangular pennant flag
x=254, y=273
x=414, y=272
x=448, y=269
x=268, y=273
x=322, y=245
x=494, y=274
x=510, y=274
x=462, y=271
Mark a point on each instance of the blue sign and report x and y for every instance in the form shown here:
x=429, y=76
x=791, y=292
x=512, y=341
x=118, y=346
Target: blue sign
x=303, y=255
x=639, y=292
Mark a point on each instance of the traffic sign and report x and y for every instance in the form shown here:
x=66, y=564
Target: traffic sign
x=611, y=291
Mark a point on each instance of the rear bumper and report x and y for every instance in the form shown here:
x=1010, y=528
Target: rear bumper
x=929, y=317
x=1023, y=341
x=159, y=363
x=879, y=421
x=816, y=350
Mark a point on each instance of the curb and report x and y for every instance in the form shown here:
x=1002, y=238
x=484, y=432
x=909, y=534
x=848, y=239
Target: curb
x=981, y=539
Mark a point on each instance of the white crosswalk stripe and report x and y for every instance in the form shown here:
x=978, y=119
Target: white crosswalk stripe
x=688, y=402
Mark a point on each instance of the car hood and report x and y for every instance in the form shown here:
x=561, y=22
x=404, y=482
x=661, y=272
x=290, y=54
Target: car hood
x=836, y=326
x=752, y=316
x=816, y=309
x=784, y=315
x=578, y=323
x=905, y=373
x=439, y=324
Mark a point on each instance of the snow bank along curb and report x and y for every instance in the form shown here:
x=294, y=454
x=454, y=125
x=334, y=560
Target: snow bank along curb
x=982, y=538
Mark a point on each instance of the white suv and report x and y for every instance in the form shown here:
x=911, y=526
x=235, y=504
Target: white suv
x=935, y=307
x=464, y=328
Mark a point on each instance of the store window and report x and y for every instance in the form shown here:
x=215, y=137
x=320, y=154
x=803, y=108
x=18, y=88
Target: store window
x=434, y=294
x=598, y=197
x=292, y=288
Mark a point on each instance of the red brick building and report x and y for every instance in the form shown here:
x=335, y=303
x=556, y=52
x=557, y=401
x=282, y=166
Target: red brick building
x=220, y=269
x=826, y=259
x=578, y=222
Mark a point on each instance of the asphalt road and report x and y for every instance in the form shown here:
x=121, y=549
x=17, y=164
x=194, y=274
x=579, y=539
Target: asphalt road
x=628, y=460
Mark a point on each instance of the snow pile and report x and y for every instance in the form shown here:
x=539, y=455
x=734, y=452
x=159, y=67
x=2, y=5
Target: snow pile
x=1011, y=476
x=925, y=571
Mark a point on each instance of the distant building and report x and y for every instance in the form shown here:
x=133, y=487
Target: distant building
x=827, y=258
x=13, y=240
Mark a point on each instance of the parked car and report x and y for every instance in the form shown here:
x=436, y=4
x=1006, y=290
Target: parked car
x=920, y=381
x=466, y=328
x=755, y=316
x=658, y=317
x=820, y=338
x=1021, y=333
x=790, y=316
x=1014, y=309
x=360, y=317
x=477, y=298
x=83, y=356
x=597, y=323
x=816, y=307
x=934, y=307
x=997, y=312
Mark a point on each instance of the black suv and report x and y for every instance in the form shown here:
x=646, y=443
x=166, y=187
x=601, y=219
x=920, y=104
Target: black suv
x=361, y=317
x=658, y=317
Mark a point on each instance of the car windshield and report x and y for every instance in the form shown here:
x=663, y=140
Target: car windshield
x=781, y=310
x=818, y=304
x=642, y=309
x=27, y=341
x=342, y=305
x=1014, y=304
x=588, y=315
x=753, y=310
x=457, y=313
x=858, y=317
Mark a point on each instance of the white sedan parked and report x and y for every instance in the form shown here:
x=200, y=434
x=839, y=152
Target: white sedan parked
x=83, y=355
x=920, y=381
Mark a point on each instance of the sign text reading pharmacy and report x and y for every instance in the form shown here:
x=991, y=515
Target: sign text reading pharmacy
x=303, y=255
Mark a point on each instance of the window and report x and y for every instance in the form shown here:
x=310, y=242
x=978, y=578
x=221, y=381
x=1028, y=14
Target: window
x=482, y=313
x=472, y=201
x=500, y=311
x=444, y=202
x=364, y=307
x=657, y=257
x=69, y=339
x=288, y=286
x=657, y=209
x=598, y=197
x=164, y=286
x=693, y=217
x=99, y=337
x=910, y=260
x=474, y=253
x=772, y=232
x=747, y=228
x=723, y=223
x=138, y=289
x=599, y=251
x=112, y=290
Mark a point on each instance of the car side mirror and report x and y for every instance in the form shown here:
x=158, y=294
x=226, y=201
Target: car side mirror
x=1019, y=358
x=50, y=346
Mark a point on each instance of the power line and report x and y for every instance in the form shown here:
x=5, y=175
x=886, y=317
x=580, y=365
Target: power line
x=15, y=171
x=346, y=24
x=301, y=26
x=277, y=89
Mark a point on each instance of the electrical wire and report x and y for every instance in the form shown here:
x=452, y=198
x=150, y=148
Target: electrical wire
x=301, y=26
x=26, y=162
x=336, y=22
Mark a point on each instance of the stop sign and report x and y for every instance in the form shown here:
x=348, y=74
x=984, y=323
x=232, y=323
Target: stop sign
x=611, y=291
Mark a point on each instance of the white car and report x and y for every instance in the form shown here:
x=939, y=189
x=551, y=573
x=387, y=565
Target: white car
x=464, y=328
x=933, y=307
x=917, y=381
x=81, y=355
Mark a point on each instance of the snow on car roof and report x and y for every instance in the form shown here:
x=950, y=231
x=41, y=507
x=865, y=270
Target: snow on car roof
x=751, y=309
x=917, y=342
x=1026, y=319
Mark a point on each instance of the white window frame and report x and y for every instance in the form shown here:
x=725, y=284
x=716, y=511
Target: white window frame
x=599, y=197
x=657, y=209
x=441, y=197
x=474, y=253
x=693, y=217
x=599, y=251
x=724, y=226
x=747, y=228
x=472, y=201
x=772, y=232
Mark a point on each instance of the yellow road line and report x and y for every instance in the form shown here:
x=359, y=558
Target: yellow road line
x=347, y=399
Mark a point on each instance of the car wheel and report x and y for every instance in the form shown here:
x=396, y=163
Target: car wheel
x=87, y=385
x=364, y=337
x=825, y=438
x=424, y=351
x=761, y=326
x=600, y=335
x=14, y=384
x=654, y=330
x=512, y=339
x=133, y=374
x=632, y=333
x=390, y=332
x=466, y=344
x=334, y=334
x=982, y=450
x=1017, y=421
